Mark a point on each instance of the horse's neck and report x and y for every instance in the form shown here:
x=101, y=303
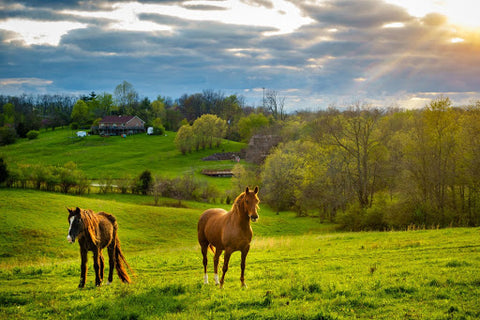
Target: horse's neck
x=240, y=216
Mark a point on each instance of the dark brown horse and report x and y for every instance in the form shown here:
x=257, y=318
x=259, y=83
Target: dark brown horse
x=229, y=231
x=96, y=231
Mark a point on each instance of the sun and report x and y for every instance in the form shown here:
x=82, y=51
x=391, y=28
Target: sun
x=462, y=13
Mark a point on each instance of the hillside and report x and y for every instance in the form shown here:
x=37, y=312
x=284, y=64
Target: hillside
x=116, y=157
x=295, y=270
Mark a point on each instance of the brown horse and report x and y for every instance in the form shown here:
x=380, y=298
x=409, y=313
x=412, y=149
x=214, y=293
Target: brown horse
x=220, y=230
x=96, y=231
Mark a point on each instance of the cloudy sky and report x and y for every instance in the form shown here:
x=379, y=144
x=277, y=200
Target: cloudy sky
x=315, y=53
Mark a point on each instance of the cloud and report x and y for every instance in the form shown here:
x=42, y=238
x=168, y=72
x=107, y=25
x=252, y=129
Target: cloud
x=313, y=54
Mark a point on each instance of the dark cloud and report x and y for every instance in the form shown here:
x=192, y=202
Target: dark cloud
x=357, y=14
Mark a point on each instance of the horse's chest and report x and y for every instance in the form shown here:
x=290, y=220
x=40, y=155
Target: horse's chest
x=237, y=239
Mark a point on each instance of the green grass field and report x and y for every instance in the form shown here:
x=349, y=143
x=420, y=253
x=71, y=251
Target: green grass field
x=297, y=268
x=117, y=157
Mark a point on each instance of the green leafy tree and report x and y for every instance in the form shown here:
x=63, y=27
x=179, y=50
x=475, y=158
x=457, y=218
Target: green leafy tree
x=158, y=109
x=80, y=113
x=184, y=140
x=282, y=174
x=209, y=131
x=247, y=126
x=8, y=113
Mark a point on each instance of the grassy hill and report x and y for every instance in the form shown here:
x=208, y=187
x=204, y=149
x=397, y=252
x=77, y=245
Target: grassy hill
x=297, y=268
x=117, y=157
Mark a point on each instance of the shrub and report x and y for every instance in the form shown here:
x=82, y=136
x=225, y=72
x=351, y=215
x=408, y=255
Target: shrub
x=145, y=182
x=32, y=134
x=3, y=171
x=8, y=135
x=159, y=130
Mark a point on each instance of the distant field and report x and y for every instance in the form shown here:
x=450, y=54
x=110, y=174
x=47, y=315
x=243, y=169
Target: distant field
x=117, y=157
x=297, y=268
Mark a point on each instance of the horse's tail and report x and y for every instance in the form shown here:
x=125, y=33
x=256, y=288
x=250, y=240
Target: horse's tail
x=211, y=247
x=121, y=263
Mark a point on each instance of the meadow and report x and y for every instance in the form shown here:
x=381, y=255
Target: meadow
x=116, y=157
x=297, y=268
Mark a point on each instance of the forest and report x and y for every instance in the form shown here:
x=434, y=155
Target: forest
x=362, y=167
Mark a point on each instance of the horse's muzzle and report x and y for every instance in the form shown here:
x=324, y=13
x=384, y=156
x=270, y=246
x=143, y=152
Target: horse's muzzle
x=70, y=239
x=254, y=218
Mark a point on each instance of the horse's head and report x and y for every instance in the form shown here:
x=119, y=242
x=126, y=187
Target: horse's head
x=76, y=224
x=250, y=203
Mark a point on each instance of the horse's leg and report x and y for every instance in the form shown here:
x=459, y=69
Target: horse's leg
x=96, y=266
x=242, y=265
x=102, y=265
x=226, y=259
x=205, y=261
x=83, y=267
x=216, y=259
x=111, y=262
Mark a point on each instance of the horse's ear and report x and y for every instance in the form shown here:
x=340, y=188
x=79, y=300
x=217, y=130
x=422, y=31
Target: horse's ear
x=256, y=190
x=247, y=190
x=77, y=210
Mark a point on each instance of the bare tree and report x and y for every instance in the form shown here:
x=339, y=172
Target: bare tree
x=275, y=104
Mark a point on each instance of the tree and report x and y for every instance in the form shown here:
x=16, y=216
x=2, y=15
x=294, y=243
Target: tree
x=125, y=97
x=80, y=113
x=209, y=131
x=282, y=174
x=248, y=125
x=184, y=139
x=158, y=109
x=8, y=113
x=431, y=159
x=275, y=104
x=356, y=134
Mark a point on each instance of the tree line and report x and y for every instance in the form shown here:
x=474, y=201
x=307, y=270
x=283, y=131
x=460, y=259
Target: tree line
x=24, y=113
x=377, y=169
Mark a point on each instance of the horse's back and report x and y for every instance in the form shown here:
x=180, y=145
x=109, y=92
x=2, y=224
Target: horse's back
x=107, y=225
x=210, y=226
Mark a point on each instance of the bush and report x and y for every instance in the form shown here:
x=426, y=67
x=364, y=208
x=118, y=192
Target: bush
x=159, y=130
x=145, y=182
x=352, y=218
x=8, y=135
x=3, y=171
x=32, y=134
x=185, y=188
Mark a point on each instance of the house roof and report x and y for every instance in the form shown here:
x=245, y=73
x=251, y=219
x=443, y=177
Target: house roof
x=118, y=119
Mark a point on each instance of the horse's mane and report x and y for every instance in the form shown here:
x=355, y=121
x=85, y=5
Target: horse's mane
x=90, y=222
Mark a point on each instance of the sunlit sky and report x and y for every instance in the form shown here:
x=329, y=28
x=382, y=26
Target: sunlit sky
x=314, y=53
